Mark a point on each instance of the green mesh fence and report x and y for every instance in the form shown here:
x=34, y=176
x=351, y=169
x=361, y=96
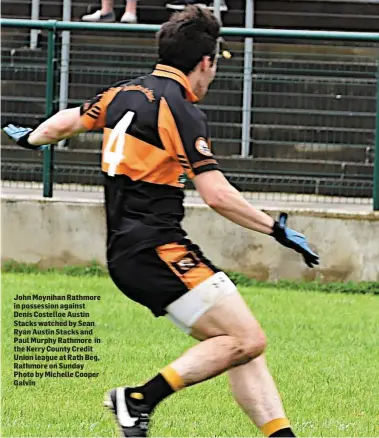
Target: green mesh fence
x=23, y=91
x=312, y=122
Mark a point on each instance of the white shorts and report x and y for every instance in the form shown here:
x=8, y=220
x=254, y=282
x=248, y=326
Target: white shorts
x=185, y=311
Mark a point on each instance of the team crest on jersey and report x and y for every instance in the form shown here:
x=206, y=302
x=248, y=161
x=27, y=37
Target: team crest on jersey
x=202, y=146
x=187, y=262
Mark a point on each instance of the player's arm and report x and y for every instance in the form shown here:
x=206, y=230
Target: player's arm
x=222, y=197
x=185, y=128
x=64, y=124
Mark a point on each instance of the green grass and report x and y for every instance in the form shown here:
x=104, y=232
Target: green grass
x=94, y=269
x=323, y=353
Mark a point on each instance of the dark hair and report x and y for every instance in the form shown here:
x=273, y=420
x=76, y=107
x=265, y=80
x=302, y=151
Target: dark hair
x=187, y=37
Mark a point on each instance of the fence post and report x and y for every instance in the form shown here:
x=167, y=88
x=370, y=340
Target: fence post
x=217, y=9
x=65, y=57
x=376, y=151
x=65, y=63
x=247, y=81
x=34, y=16
x=48, y=155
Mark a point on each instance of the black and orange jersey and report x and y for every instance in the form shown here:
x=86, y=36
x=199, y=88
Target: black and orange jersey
x=154, y=137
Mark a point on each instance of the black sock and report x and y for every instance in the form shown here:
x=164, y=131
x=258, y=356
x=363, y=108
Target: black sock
x=152, y=392
x=286, y=432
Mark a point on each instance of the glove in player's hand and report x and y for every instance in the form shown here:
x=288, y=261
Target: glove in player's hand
x=20, y=135
x=294, y=240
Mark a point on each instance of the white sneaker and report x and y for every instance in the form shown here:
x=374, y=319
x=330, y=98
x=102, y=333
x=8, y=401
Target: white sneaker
x=97, y=17
x=128, y=17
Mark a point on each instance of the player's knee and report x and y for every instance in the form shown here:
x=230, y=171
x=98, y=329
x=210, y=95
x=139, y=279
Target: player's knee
x=250, y=347
x=256, y=344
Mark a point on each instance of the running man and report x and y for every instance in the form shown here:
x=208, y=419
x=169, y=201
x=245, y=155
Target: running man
x=154, y=136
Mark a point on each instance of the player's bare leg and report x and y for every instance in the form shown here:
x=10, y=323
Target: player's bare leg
x=255, y=391
x=252, y=384
x=214, y=356
x=229, y=338
x=233, y=341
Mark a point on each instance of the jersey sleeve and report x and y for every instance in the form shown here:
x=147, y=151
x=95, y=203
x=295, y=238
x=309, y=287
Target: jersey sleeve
x=188, y=134
x=93, y=112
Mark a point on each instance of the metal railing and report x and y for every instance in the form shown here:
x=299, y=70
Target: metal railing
x=292, y=110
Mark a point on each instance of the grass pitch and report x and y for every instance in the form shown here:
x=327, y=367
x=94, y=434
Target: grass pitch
x=323, y=352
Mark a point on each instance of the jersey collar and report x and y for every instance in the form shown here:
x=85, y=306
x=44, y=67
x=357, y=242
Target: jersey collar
x=173, y=73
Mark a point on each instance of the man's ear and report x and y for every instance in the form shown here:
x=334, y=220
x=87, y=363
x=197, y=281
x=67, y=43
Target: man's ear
x=205, y=63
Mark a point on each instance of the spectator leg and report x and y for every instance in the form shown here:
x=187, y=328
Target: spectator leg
x=131, y=7
x=106, y=6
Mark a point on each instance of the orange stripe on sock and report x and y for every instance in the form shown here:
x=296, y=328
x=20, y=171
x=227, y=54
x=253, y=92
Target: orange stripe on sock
x=274, y=425
x=172, y=378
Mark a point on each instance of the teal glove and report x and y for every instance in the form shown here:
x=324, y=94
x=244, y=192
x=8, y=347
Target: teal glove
x=294, y=240
x=20, y=135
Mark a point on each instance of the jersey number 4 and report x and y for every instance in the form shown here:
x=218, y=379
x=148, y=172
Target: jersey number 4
x=113, y=157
